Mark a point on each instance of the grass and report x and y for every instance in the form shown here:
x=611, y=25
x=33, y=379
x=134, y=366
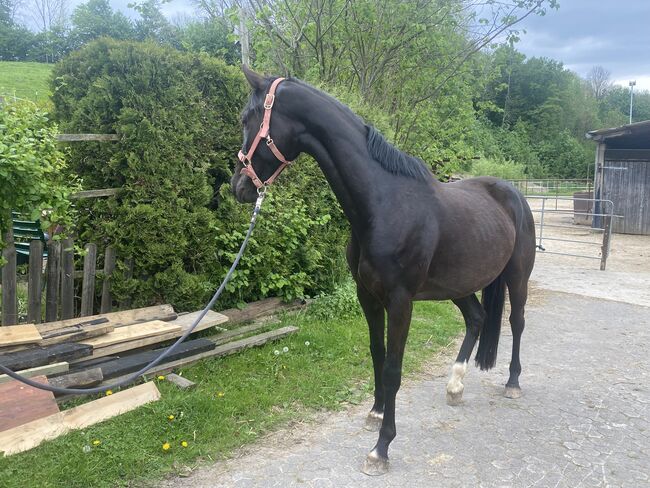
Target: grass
x=28, y=81
x=236, y=400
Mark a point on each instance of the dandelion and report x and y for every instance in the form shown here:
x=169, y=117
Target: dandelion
x=109, y=392
x=161, y=377
x=276, y=352
x=86, y=449
x=96, y=442
x=171, y=417
x=307, y=343
x=184, y=443
x=220, y=394
x=285, y=349
x=166, y=446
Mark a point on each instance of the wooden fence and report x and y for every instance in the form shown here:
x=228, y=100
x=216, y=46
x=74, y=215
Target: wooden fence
x=57, y=281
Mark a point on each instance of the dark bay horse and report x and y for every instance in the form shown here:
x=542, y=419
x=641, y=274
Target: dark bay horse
x=413, y=238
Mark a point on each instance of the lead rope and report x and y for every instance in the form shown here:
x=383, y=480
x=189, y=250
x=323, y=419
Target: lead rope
x=166, y=352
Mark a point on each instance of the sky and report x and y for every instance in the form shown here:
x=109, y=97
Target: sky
x=614, y=34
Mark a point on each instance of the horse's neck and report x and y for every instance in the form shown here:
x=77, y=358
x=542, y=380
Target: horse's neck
x=336, y=139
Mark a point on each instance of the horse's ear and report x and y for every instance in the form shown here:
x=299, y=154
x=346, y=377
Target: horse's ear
x=255, y=80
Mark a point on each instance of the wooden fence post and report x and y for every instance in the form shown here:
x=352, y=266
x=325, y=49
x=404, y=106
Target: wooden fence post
x=88, y=285
x=9, y=298
x=67, y=279
x=109, y=267
x=35, y=282
x=53, y=280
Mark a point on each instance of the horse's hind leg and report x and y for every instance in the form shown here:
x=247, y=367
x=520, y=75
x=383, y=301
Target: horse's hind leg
x=474, y=316
x=517, y=281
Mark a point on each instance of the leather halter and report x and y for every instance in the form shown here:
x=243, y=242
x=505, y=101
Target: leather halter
x=264, y=133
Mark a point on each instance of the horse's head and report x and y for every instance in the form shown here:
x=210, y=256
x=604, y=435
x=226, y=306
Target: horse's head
x=267, y=155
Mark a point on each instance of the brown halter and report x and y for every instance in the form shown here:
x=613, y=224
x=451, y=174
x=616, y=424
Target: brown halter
x=264, y=133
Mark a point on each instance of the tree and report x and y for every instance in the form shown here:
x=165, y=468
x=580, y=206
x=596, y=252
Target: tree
x=47, y=14
x=152, y=24
x=599, y=81
x=95, y=19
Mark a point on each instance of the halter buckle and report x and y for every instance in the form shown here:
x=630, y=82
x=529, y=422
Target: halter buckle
x=269, y=100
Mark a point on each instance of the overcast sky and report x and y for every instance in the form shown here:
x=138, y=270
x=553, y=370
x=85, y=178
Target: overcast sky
x=614, y=34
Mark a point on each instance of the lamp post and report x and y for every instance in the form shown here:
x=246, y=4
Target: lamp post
x=632, y=84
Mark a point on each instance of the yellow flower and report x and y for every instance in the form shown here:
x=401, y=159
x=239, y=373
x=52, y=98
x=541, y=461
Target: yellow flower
x=171, y=417
x=184, y=443
x=166, y=446
x=96, y=442
x=109, y=392
x=220, y=394
x=161, y=377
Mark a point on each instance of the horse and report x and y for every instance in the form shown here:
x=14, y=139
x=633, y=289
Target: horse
x=412, y=236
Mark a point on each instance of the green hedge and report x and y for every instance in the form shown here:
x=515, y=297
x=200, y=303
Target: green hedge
x=178, y=118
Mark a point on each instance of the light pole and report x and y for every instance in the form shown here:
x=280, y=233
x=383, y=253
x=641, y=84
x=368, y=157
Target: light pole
x=632, y=83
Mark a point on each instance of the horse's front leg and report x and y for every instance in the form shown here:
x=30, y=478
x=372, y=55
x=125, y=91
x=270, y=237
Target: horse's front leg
x=376, y=318
x=400, y=307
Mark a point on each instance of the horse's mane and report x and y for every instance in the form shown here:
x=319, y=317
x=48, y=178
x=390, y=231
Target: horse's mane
x=388, y=156
x=393, y=160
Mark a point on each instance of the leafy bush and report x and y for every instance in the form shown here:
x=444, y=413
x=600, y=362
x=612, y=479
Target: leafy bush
x=178, y=118
x=341, y=303
x=31, y=167
x=501, y=169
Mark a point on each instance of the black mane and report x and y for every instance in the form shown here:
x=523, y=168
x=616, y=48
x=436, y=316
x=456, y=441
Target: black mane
x=393, y=160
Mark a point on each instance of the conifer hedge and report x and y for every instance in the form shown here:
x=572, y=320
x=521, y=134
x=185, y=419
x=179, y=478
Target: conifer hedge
x=178, y=118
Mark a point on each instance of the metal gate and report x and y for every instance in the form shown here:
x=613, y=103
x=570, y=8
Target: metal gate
x=573, y=226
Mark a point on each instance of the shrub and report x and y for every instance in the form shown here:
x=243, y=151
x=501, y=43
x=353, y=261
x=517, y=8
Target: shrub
x=178, y=118
x=501, y=169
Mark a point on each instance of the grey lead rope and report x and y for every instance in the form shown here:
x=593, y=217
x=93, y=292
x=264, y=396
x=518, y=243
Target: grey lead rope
x=166, y=352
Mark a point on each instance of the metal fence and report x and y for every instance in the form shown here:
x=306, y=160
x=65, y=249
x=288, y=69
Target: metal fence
x=570, y=226
x=552, y=186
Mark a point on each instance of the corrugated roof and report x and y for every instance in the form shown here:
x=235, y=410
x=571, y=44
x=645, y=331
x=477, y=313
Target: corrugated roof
x=636, y=128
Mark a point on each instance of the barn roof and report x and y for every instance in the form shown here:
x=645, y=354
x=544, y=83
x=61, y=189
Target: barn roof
x=635, y=135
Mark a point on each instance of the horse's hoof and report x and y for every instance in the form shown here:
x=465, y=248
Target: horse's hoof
x=373, y=421
x=512, y=392
x=455, y=399
x=375, y=465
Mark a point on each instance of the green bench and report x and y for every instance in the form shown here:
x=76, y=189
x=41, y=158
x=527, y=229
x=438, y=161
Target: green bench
x=25, y=231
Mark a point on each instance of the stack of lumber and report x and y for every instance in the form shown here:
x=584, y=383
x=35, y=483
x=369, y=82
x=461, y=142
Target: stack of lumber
x=104, y=349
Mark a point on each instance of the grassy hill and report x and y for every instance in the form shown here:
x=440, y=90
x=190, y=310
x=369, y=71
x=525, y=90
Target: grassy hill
x=25, y=80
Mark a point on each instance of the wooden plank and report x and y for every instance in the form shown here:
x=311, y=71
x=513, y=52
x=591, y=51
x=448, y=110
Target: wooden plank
x=226, y=349
x=67, y=279
x=182, y=383
x=9, y=298
x=87, y=137
x=21, y=404
x=34, y=433
x=212, y=319
x=34, y=284
x=132, y=332
x=88, y=285
x=104, y=192
x=228, y=335
x=45, y=370
x=76, y=334
x=15, y=335
x=109, y=268
x=129, y=364
x=262, y=308
x=53, y=276
x=86, y=378
x=40, y=356
x=118, y=319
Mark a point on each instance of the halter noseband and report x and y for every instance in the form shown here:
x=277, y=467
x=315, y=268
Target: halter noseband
x=264, y=133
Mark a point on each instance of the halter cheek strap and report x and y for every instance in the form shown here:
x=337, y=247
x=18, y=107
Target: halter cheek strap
x=264, y=133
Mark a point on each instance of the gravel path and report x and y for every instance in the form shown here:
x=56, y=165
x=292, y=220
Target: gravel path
x=582, y=421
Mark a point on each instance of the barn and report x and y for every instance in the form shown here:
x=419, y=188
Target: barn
x=622, y=174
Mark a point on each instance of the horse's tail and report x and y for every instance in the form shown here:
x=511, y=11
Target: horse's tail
x=492, y=298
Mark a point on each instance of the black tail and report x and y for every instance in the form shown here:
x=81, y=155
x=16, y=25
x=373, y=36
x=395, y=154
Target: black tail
x=492, y=298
